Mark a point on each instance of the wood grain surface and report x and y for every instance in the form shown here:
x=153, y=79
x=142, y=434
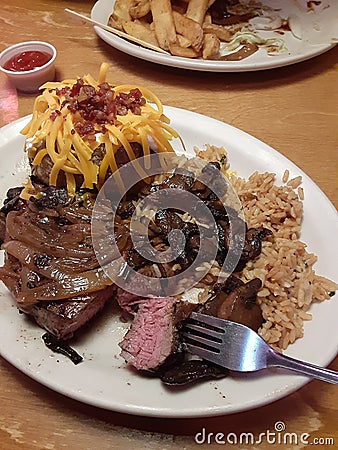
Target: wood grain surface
x=293, y=109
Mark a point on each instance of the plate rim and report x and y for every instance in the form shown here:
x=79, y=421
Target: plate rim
x=198, y=64
x=295, y=382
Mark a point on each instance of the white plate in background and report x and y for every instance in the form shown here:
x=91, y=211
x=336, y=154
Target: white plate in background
x=298, y=50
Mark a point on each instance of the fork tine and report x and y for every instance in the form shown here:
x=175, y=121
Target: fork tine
x=204, y=353
x=214, y=322
x=214, y=346
x=203, y=330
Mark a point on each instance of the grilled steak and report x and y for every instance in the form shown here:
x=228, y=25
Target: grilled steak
x=152, y=335
x=63, y=319
x=48, y=247
x=47, y=241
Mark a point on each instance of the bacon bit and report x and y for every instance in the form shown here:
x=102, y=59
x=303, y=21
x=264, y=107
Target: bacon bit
x=99, y=106
x=62, y=91
x=54, y=114
x=85, y=128
x=91, y=138
x=74, y=91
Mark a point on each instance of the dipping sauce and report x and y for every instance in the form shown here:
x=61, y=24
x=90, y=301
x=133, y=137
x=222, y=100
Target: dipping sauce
x=243, y=52
x=22, y=62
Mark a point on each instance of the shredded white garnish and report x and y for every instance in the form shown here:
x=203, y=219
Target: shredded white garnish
x=272, y=45
x=313, y=23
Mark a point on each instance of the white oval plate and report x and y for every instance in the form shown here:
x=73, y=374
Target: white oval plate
x=102, y=379
x=298, y=50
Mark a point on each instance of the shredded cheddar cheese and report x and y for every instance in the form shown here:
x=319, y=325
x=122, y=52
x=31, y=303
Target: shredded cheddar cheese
x=66, y=127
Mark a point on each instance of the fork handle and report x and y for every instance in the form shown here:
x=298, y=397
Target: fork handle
x=278, y=360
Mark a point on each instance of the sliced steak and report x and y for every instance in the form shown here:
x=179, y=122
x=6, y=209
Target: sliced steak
x=127, y=301
x=63, y=319
x=41, y=232
x=152, y=336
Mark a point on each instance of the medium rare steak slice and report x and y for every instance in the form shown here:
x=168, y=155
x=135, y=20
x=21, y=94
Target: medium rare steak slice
x=152, y=335
x=128, y=301
x=63, y=318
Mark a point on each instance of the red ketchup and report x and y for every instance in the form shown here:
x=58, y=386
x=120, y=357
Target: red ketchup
x=27, y=61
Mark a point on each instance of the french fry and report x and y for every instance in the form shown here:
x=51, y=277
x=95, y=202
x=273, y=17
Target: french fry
x=211, y=46
x=179, y=5
x=140, y=9
x=183, y=41
x=207, y=20
x=163, y=22
x=177, y=50
x=120, y=13
x=222, y=33
x=140, y=31
x=196, y=10
x=189, y=29
x=183, y=27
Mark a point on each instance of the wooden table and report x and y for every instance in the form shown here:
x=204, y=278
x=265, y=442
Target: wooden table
x=293, y=109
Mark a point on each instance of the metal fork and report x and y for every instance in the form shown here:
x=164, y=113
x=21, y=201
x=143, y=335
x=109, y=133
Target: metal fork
x=237, y=347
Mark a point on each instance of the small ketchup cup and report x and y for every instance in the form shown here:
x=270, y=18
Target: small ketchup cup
x=28, y=80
